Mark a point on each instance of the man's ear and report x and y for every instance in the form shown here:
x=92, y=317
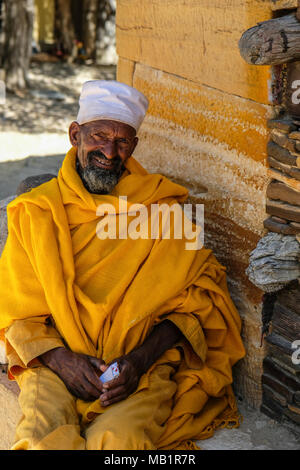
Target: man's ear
x=74, y=134
x=135, y=142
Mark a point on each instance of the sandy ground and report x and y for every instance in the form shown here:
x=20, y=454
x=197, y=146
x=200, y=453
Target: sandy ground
x=34, y=140
x=36, y=126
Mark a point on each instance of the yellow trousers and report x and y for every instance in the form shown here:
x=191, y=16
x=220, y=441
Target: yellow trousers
x=50, y=420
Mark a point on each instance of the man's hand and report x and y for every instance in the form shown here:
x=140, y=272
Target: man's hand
x=79, y=372
x=136, y=363
x=121, y=387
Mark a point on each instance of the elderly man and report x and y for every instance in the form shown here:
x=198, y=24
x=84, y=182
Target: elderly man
x=73, y=302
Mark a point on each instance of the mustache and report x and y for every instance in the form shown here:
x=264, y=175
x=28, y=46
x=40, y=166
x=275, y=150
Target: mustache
x=97, y=153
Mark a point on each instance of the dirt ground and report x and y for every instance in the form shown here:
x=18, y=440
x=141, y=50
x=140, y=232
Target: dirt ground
x=36, y=125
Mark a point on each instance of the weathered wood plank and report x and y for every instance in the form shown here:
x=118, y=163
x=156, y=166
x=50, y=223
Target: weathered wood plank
x=290, y=298
x=286, y=323
x=272, y=42
x=277, y=190
x=279, y=387
x=273, y=395
x=289, y=380
x=284, y=360
x=281, y=343
x=293, y=413
x=277, y=227
x=294, y=172
x=286, y=125
x=271, y=407
x=281, y=154
x=288, y=180
x=283, y=209
x=282, y=139
x=270, y=412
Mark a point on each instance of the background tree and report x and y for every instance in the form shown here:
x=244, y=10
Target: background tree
x=90, y=20
x=64, y=28
x=19, y=17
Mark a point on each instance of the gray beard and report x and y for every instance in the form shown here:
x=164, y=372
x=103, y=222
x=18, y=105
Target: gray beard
x=98, y=180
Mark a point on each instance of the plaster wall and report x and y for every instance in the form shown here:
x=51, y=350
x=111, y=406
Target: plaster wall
x=206, y=128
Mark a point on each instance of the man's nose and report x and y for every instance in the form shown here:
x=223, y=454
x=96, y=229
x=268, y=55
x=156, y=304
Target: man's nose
x=110, y=150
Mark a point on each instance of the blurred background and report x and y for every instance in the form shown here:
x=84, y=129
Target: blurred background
x=48, y=48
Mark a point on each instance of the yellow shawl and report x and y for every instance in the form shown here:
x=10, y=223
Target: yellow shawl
x=105, y=296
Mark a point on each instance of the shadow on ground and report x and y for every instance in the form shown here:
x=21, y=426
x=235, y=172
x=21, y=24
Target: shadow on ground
x=52, y=99
x=13, y=172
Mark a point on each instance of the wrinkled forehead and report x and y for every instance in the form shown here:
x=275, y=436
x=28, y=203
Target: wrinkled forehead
x=108, y=127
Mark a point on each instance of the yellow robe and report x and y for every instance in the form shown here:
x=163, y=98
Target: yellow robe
x=105, y=296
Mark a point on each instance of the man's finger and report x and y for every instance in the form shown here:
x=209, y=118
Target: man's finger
x=122, y=379
x=94, y=380
x=114, y=400
x=86, y=389
x=117, y=394
x=113, y=393
x=99, y=364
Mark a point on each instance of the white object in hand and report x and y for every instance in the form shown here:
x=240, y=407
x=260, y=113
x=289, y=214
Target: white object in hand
x=111, y=373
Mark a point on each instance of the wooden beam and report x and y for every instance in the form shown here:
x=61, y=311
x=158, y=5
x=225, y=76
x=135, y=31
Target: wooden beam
x=272, y=42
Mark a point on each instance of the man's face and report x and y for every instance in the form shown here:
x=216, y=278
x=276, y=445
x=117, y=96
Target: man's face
x=102, y=150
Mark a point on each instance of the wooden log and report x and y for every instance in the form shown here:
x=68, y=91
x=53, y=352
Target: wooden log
x=292, y=414
x=280, y=220
x=285, y=322
x=290, y=297
x=277, y=227
x=284, y=360
x=282, y=344
x=282, y=139
x=285, y=125
x=288, y=180
x=294, y=135
x=275, y=407
x=289, y=380
x=268, y=391
x=281, y=154
x=272, y=42
x=297, y=398
x=292, y=171
x=296, y=226
x=274, y=414
x=277, y=190
x=283, y=209
x=279, y=387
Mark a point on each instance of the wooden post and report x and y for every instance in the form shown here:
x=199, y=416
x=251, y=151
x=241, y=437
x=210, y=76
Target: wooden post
x=298, y=11
x=272, y=42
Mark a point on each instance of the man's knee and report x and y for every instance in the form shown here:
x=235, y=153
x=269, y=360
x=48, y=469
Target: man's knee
x=111, y=434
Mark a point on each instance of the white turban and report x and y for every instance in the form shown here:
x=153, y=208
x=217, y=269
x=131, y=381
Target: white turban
x=101, y=99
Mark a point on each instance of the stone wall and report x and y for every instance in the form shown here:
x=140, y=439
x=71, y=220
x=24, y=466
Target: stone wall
x=207, y=127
